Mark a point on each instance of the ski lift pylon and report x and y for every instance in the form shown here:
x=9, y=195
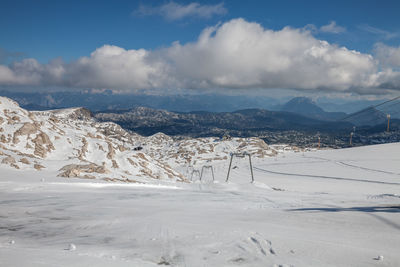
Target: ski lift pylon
x=240, y=155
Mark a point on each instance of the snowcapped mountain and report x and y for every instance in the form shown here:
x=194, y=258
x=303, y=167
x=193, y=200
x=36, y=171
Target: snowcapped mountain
x=71, y=143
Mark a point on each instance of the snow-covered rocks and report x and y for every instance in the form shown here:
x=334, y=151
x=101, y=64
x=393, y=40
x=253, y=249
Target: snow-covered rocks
x=198, y=151
x=71, y=143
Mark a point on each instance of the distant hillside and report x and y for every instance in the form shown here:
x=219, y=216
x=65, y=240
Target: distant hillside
x=307, y=107
x=347, y=107
x=247, y=122
x=367, y=117
x=110, y=101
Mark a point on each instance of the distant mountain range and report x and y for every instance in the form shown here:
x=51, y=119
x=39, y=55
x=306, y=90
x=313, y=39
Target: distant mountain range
x=248, y=122
x=114, y=102
x=107, y=100
x=297, y=113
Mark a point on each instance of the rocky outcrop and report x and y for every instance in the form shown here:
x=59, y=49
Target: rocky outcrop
x=27, y=128
x=38, y=166
x=77, y=170
x=43, y=145
x=75, y=144
x=10, y=161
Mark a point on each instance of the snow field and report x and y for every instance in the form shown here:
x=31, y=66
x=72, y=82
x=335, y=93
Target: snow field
x=280, y=220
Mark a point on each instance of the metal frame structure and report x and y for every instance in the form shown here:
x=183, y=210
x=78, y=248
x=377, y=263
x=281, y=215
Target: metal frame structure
x=207, y=167
x=194, y=171
x=240, y=155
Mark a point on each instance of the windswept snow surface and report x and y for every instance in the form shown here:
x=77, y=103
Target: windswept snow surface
x=324, y=208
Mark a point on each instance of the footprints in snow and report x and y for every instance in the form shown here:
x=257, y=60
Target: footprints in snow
x=263, y=245
x=254, y=247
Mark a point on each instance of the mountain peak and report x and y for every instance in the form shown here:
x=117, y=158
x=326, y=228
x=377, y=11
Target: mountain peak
x=302, y=105
x=307, y=107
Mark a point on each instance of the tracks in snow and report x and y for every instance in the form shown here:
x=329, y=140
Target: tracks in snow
x=325, y=177
x=339, y=162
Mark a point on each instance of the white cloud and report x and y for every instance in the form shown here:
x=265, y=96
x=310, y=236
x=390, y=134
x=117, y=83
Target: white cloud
x=332, y=27
x=175, y=11
x=387, y=55
x=115, y=67
x=236, y=54
x=239, y=54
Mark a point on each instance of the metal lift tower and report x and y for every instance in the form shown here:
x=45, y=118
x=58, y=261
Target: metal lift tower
x=240, y=155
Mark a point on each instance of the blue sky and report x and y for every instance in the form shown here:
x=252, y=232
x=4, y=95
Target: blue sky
x=70, y=29
x=45, y=30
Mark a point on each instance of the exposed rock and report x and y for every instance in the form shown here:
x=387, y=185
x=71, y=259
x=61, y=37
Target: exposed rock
x=14, y=165
x=75, y=170
x=132, y=162
x=114, y=164
x=38, y=166
x=15, y=119
x=26, y=129
x=54, y=119
x=8, y=160
x=81, y=114
x=43, y=145
x=122, y=148
x=111, y=151
x=121, y=180
x=26, y=155
x=142, y=156
x=25, y=161
x=84, y=149
x=28, y=146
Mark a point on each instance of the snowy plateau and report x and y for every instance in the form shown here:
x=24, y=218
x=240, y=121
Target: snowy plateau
x=78, y=192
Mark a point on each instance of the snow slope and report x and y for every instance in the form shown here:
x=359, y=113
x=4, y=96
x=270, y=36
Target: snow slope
x=69, y=143
x=315, y=208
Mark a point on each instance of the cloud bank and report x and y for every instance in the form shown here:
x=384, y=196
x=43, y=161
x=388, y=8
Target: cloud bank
x=174, y=11
x=236, y=54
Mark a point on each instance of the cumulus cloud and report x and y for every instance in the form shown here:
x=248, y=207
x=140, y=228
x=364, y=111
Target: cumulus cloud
x=332, y=27
x=175, y=11
x=236, y=54
x=115, y=67
x=388, y=56
x=242, y=54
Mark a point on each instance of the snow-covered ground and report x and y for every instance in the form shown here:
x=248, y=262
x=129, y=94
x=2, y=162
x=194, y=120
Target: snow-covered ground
x=324, y=208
